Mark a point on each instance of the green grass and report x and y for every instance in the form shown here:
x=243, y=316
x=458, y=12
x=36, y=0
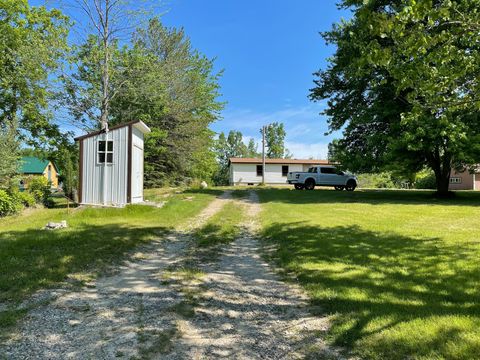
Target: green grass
x=398, y=271
x=222, y=228
x=32, y=258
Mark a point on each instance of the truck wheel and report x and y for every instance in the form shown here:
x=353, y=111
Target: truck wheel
x=351, y=185
x=299, y=186
x=339, y=188
x=310, y=184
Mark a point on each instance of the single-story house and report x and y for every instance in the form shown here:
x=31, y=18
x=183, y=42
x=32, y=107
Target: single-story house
x=31, y=165
x=464, y=180
x=248, y=171
x=111, y=165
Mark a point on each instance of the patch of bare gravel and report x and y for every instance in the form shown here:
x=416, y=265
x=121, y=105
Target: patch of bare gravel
x=247, y=312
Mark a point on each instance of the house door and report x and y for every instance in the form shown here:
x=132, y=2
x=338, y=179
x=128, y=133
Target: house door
x=49, y=173
x=137, y=174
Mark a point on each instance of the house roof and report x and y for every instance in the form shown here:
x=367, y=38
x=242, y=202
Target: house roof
x=33, y=165
x=140, y=125
x=278, y=161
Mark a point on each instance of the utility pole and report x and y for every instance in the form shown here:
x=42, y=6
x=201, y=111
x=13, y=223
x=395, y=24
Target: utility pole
x=263, y=154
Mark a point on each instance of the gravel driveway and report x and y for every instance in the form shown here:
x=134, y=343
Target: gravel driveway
x=239, y=308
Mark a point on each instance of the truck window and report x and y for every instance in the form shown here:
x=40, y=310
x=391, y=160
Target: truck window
x=312, y=170
x=328, y=170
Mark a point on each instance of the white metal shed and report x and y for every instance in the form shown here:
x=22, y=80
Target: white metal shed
x=111, y=165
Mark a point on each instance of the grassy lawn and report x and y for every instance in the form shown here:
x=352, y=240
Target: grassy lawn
x=222, y=228
x=32, y=258
x=398, y=271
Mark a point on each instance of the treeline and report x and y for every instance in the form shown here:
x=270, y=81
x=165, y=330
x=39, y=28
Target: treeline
x=115, y=75
x=233, y=146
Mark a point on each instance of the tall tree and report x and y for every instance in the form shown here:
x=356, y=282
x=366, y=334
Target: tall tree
x=174, y=89
x=94, y=80
x=252, y=149
x=32, y=45
x=403, y=85
x=8, y=154
x=275, y=140
x=227, y=147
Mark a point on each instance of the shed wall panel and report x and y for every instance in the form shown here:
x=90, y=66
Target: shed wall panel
x=116, y=173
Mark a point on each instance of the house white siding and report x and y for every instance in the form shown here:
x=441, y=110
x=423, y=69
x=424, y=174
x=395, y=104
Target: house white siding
x=242, y=174
x=93, y=172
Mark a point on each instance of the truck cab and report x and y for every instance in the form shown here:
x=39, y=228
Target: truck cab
x=322, y=175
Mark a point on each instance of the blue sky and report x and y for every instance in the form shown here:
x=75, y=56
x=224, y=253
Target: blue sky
x=269, y=50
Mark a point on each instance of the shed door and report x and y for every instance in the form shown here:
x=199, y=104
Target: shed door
x=137, y=174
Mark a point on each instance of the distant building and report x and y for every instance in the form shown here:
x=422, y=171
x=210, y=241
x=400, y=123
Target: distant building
x=31, y=165
x=464, y=180
x=248, y=171
x=111, y=165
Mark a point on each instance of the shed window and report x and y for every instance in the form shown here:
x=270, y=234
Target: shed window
x=259, y=170
x=105, y=152
x=284, y=170
x=455, y=180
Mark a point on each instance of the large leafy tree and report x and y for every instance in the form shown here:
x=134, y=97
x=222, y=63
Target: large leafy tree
x=174, y=89
x=252, y=149
x=403, y=86
x=93, y=82
x=227, y=147
x=8, y=154
x=275, y=141
x=32, y=45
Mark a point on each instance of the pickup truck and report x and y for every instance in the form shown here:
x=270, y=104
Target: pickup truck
x=324, y=175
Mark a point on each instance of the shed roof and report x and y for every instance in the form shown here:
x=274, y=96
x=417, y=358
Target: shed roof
x=278, y=161
x=140, y=125
x=33, y=165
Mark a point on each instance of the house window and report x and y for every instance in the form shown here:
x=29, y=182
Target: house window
x=284, y=170
x=259, y=170
x=455, y=180
x=105, y=152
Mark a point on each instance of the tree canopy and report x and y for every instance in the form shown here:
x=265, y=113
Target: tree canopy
x=174, y=90
x=403, y=86
x=275, y=141
x=32, y=46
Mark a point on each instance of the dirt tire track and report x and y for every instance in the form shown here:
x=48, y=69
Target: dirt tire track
x=247, y=311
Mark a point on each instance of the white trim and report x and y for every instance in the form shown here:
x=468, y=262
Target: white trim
x=142, y=127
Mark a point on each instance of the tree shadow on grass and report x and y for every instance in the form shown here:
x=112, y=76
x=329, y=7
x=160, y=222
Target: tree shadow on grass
x=33, y=259
x=391, y=296
x=366, y=196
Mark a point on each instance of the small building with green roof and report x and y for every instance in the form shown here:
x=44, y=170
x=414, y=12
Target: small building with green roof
x=31, y=165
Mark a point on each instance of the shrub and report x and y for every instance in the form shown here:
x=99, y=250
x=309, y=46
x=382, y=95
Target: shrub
x=39, y=187
x=27, y=199
x=379, y=181
x=425, y=180
x=8, y=206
